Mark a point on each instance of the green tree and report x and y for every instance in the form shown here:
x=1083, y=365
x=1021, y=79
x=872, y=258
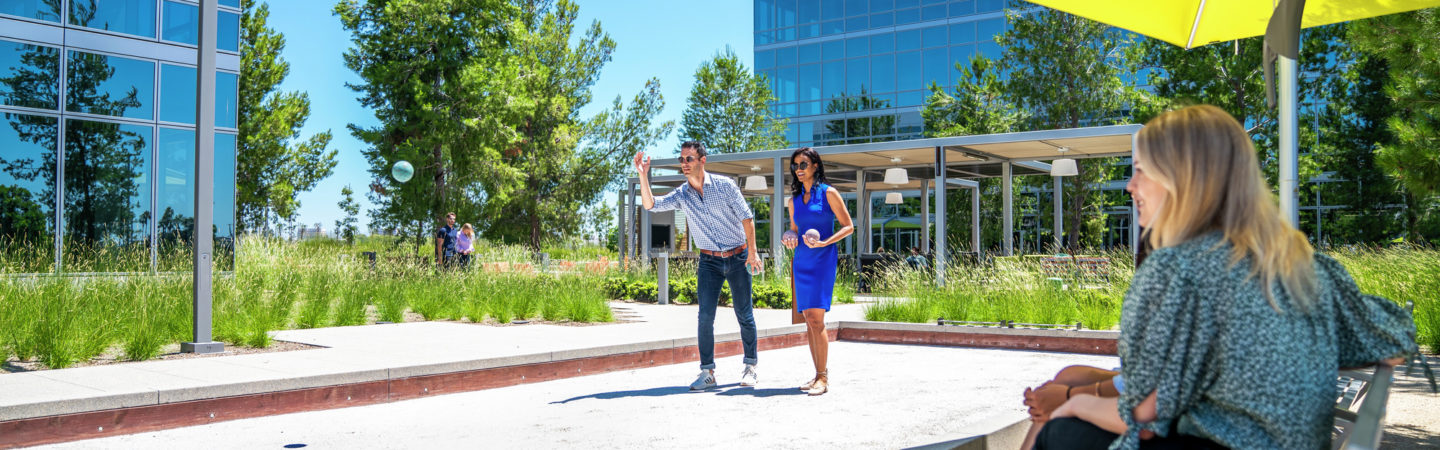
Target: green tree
x=563, y=162
x=1066, y=71
x=345, y=227
x=437, y=75
x=977, y=106
x=729, y=108
x=1407, y=44
x=273, y=163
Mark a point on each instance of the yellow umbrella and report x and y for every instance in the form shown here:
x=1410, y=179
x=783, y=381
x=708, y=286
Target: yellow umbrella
x=1194, y=23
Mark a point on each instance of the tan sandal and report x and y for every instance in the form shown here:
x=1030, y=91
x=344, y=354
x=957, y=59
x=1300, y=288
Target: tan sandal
x=809, y=384
x=821, y=385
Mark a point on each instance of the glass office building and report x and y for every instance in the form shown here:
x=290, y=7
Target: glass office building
x=854, y=71
x=97, y=134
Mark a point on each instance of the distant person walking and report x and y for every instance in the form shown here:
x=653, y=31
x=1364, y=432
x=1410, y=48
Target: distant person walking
x=445, y=240
x=724, y=231
x=814, y=206
x=465, y=245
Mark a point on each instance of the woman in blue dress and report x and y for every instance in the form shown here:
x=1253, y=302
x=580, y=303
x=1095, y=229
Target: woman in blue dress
x=814, y=206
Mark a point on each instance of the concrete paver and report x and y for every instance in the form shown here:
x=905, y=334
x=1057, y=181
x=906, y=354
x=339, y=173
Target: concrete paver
x=883, y=396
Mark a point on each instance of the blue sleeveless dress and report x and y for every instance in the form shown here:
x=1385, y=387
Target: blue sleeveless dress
x=814, y=268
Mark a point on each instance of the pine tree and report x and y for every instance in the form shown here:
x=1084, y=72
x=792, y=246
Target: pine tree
x=729, y=108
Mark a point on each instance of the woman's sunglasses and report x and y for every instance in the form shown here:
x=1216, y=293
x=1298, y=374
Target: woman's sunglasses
x=804, y=165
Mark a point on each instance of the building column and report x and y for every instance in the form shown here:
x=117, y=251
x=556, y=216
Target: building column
x=941, y=249
x=778, y=221
x=925, y=213
x=862, y=206
x=1059, y=216
x=643, y=250
x=975, y=219
x=1007, y=210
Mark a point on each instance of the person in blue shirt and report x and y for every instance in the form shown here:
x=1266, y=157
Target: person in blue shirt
x=724, y=231
x=445, y=242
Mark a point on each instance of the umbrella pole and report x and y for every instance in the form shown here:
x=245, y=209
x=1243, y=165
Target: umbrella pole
x=1289, y=140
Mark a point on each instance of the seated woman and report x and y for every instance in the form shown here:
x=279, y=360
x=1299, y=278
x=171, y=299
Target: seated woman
x=1234, y=327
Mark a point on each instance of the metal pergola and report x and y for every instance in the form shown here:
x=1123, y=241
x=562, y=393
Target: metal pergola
x=933, y=165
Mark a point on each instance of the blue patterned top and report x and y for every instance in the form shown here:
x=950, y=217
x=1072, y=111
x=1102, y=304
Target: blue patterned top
x=1226, y=366
x=713, y=218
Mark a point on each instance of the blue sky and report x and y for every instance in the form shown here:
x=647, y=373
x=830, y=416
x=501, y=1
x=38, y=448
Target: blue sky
x=654, y=38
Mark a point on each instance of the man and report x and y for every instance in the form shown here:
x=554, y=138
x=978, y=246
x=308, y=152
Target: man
x=724, y=231
x=445, y=243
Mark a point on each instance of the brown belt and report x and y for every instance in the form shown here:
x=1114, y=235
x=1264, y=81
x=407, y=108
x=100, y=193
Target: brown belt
x=724, y=254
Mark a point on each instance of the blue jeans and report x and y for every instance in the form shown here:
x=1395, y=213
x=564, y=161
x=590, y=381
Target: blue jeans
x=711, y=274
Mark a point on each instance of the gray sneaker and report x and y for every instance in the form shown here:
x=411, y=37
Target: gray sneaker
x=706, y=380
x=748, y=378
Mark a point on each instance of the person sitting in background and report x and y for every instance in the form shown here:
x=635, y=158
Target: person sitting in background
x=1233, y=329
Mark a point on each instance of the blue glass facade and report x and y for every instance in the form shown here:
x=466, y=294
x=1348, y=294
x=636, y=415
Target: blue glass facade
x=97, y=134
x=853, y=71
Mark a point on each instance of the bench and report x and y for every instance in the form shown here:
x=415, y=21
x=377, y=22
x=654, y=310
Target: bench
x=1360, y=408
x=1087, y=271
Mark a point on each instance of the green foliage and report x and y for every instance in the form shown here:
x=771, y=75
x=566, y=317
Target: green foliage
x=729, y=108
x=274, y=165
x=345, y=228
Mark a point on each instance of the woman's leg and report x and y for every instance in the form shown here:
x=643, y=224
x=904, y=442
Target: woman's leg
x=819, y=348
x=1072, y=376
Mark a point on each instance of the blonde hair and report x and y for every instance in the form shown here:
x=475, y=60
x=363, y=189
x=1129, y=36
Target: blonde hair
x=468, y=230
x=1206, y=163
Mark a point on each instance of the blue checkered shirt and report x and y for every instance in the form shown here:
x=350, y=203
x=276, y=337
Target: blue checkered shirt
x=714, y=218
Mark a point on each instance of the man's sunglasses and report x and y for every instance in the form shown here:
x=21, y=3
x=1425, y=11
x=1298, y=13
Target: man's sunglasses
x=804, y=165
x=687, y=159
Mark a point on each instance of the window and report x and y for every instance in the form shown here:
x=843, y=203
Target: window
x=962, y=33
x=832, y=80
x=787, y=78
x=32, y=9
x=938, y=66
x=27, y=190
x=857, y=47
x=935, y=37
x=808, y=31
x=984, y=6
x=935, y=12
x=907, y=40
x=809, y=89
x=882, y=73
x=808, y=11
x=832, y=27
x=226, y=100
x=857, y=7
x=833, y=49
x=29, y=75
x=177, y=94
x=764, y=14
x=854, y=24
x=230, y=3
x=881, y=5
x=832, y=9
x=764, y=59
x=180, y=22
x=785, y=57
x=882, y=43
x=785, y=13
x=224, y=218
x=107, y=197
x=110, y=85
x=905, y=16
x=912, y=98
x=961, y=54
x=900, y=4
x=908, y=71
x=884, y=19
x=135, y=17
x=964, y=8
x=809, y=53
x=228, y=26
x=988, y=29
x=175, y=191
x=857, y=76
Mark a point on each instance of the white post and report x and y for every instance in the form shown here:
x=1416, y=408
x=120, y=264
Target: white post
x=941, y=249
x=1007, y=211
x=778, y=219
x=204, y=183
x=1059, y=229
x=925, y=214
x=1289, y=141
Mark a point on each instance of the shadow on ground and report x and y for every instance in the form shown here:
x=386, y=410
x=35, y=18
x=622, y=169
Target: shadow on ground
x=732, y=389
